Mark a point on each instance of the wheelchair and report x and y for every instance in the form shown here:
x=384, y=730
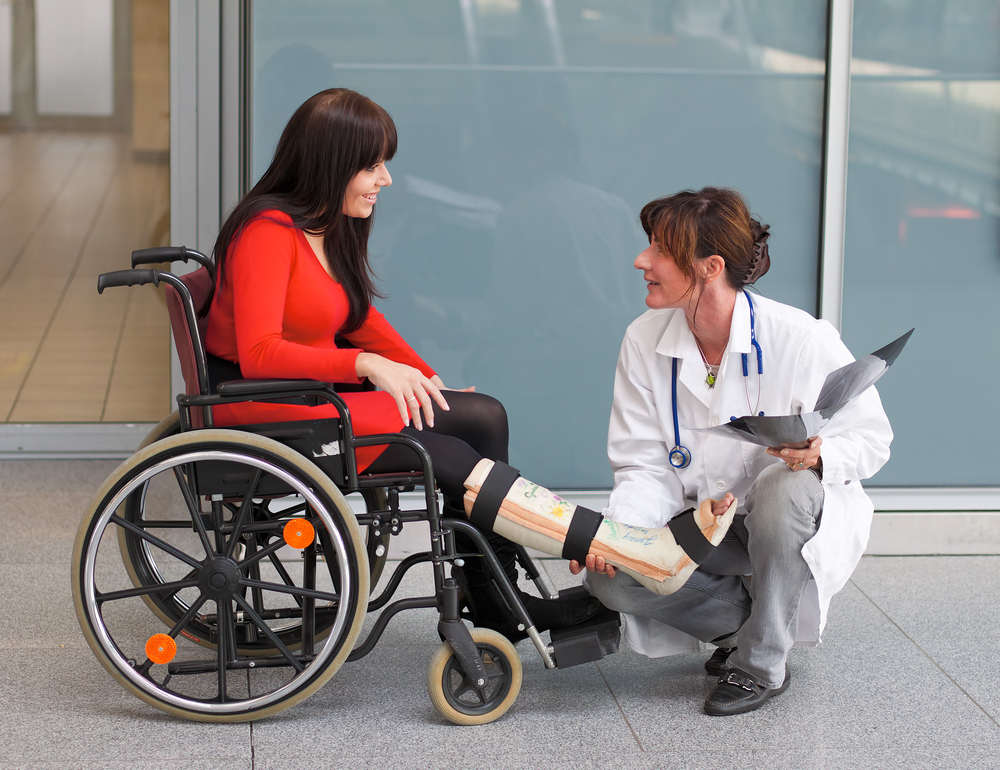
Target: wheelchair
x=222, y=575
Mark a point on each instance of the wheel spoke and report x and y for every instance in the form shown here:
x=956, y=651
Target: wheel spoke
x=224, y=612
x=252, y=571
x=154, y=540
x=283, y=573
x=157, y=588
x=293, y=590
x=495, y=676
x=270, y=553
x=263, y=553
x=461, y=691
x=194, y=509
x=269, y=633
x=180, y=624
x=195, y=606
x=241, y=516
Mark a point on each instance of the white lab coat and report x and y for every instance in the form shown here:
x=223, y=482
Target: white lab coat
x=798, y=353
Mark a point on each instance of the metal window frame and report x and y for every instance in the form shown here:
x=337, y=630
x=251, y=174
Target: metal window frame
x=836, y=128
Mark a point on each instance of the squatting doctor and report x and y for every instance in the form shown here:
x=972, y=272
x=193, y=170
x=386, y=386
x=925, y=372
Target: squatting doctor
x=705, y=352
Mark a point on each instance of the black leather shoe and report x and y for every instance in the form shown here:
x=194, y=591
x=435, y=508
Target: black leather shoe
x=717, y=664
x=737, y=693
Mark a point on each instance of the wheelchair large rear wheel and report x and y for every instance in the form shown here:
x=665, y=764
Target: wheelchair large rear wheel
x=142, y=561
x=274, y=576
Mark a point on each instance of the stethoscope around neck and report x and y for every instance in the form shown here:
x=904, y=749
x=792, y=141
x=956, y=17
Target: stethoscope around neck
x=680, y=455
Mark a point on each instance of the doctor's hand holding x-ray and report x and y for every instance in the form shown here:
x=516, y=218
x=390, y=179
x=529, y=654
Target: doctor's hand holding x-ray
x=800, y=458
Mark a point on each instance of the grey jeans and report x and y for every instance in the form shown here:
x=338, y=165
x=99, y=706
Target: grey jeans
x=716, y=605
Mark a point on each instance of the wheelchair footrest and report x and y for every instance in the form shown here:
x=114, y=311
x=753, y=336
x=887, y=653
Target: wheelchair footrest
x=595, y=638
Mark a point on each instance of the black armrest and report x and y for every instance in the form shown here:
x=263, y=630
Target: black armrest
x=250, y=387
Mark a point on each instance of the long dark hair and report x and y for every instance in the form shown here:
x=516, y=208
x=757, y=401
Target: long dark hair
x=330, y=138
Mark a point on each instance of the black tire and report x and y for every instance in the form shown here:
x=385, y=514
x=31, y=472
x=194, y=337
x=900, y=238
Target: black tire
x=455, y=697
x=233, y=572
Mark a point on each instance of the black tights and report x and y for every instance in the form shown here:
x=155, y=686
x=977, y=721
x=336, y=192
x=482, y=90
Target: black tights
x=474, y=427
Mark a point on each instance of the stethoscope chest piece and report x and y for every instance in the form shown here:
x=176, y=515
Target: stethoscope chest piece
x=680, y=457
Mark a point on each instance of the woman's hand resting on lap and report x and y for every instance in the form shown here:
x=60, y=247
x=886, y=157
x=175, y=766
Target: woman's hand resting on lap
x=597, y=563
x=410, y=389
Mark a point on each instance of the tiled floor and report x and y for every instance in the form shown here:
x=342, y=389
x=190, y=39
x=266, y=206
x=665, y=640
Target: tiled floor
x=73, y=206
x=907, y=678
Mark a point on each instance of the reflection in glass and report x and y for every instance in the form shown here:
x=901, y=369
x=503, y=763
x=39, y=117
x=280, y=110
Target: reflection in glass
x=531, y=133
x=923, y=226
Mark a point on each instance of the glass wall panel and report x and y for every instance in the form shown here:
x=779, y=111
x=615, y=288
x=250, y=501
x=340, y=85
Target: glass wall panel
x=531, y=133
x=79, y=190
x=923, y=228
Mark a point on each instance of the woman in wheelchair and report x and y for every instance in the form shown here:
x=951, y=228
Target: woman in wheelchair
x=293, y=273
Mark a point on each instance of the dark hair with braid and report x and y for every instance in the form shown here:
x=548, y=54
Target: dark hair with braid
x=692, y=225
x=328, y=140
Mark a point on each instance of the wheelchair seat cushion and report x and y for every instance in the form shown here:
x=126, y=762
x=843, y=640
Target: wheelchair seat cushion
x=369, y=412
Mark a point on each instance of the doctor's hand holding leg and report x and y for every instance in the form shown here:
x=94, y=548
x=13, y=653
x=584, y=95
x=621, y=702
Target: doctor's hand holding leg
x=598, y=565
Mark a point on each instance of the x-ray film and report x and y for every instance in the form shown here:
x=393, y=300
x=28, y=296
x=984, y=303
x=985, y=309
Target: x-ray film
x=841, y=387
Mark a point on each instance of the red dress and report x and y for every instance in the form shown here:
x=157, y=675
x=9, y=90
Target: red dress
x=276, y=315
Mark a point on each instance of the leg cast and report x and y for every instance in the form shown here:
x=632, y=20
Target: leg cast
x=660, y=559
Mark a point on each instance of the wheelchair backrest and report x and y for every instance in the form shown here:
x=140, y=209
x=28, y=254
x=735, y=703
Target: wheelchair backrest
x=199, y=284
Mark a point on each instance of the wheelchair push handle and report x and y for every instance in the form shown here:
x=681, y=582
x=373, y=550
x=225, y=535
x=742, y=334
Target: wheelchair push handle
x=127, y=278
x=159, y=254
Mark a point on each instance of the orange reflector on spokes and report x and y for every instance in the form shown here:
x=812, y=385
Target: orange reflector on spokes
x=299, y=533
x=161, y=648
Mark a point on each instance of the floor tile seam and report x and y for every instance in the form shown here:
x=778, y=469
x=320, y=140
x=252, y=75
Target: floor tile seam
x=35, y=563
x=66, y=287
x=517, y=751
x=42, y=217
x=621, y=710
x=923, y=652
x=454, y=753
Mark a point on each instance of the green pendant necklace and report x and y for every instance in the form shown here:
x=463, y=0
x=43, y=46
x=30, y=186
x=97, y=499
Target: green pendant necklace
x=712, y=369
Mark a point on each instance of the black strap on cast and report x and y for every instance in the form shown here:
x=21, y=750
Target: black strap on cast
x=581, y=533
x=688, y=535
x=491, y=494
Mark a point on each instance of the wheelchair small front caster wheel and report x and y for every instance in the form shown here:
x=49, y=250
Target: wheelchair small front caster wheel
x=455, y=696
